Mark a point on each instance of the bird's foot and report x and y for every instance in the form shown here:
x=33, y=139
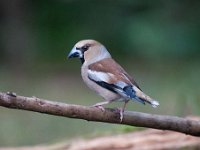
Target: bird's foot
x=100, y=107
x=121, y=113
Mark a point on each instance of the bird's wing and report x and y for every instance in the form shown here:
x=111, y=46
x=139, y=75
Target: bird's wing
x=108, y=74
x=112, y=71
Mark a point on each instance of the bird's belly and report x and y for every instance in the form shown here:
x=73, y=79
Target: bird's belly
x=106, y=94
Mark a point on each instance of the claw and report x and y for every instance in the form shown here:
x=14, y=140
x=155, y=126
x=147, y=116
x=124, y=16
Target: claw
x=121, y=115
x=100, y=107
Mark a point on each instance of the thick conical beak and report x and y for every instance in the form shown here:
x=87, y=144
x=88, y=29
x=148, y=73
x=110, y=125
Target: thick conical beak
x=74, y=53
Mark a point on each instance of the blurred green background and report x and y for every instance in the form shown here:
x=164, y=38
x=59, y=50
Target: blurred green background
x=158, y=42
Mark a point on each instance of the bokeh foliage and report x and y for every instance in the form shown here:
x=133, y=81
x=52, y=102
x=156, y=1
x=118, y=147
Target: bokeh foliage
x=148, y=29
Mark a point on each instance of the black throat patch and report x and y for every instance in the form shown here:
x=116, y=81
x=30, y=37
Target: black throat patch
x=82, y=60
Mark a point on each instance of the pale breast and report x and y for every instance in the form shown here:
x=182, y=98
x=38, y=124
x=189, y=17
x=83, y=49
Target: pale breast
x=106, y=94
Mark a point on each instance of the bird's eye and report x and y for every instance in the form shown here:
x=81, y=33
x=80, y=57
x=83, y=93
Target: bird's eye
x=85, y=48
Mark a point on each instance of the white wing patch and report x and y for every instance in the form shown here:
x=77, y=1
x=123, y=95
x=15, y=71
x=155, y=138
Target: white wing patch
x=105, y=77
x=99, y=76
x=121, y=84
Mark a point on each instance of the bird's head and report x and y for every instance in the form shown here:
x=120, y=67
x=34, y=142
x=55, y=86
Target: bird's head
x=89, y=51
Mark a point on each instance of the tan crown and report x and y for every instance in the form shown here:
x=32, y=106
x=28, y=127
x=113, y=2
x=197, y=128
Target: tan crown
x=95, y=52
x=84, y=42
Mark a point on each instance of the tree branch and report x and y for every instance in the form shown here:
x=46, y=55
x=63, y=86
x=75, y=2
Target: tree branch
x=139, y=119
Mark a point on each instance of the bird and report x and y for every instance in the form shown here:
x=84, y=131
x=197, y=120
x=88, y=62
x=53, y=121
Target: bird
x=106, y=77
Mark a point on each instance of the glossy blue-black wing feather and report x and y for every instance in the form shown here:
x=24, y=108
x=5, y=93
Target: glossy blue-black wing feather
x=129, y=91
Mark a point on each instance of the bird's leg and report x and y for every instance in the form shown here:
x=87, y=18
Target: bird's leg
x=99, y=105
x=121, y=110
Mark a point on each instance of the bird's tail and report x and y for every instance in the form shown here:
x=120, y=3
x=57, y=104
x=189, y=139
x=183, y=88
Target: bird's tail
x=150, y=101
x=142, y=96
x=138, y=95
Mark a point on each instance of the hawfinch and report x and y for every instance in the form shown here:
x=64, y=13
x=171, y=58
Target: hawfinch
x=106, y=77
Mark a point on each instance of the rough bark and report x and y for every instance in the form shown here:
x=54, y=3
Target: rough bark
x=162, y=122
